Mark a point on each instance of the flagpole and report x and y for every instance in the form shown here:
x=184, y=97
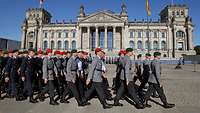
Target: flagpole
x=148, y=34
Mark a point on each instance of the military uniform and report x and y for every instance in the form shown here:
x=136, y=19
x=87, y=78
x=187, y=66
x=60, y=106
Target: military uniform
x=28, y=70
x=71, y=77
x=49, y=71
x=154, y=83
x=11, y=71
x=95, y=74
x=127, y=77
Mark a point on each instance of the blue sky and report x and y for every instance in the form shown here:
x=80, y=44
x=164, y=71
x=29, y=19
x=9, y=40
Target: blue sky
x=12, y=12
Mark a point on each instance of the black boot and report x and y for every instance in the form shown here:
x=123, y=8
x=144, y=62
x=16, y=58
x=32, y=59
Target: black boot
x=167, y=105
x=53, y=102
x=146, y=104
x=41, y=97
x=106, y=106
x=139, y=106
x=116, y=103
x=32, y=100
x=62, y=100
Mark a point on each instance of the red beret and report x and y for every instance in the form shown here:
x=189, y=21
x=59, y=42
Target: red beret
x=10, y=51
x=40, y=52
x=122, y=51
x=48, y=51
x=62, y=53
x=57, y=52
x=97, y=50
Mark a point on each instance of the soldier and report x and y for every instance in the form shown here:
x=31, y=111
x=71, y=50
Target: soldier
x=49, y=71
x=119, y=70
x=1, y=71
x=81, y=81
x=71, y=78
x=95, y=76
x=39, y=60
x=28, y=70
x=127, y=81
x=155, y=82
x=145, y=73
x=12, y=73
x=59, y=73
x=138, y=66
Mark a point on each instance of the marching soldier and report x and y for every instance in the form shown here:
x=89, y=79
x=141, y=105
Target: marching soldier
x=71, y=78
x=145, y=74
x=1, y=71
x=59, y=73
x=39, y=60
x=49, y=75
x=95, y=76
x=28, y=74
x=155, y=82
x=138, y=66
x=12, y=73
x=119, y=70
x=127, y=81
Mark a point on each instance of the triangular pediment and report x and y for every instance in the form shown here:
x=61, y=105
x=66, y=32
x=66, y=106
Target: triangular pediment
x=102, y=17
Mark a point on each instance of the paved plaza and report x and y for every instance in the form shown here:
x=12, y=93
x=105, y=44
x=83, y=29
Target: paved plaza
x=181, y=88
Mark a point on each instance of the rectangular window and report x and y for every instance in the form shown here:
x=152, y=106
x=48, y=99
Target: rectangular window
x=59, y=35
x=163, y=35
x=155, y=35
x=131, y=34
x=66, y=35
x=45, y=35
x=139, y=34
x=74, y=34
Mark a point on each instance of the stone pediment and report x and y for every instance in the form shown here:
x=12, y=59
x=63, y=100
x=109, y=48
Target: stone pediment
x=102, y=17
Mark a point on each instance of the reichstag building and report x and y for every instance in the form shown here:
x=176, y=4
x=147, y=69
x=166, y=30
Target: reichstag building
x=171, y=34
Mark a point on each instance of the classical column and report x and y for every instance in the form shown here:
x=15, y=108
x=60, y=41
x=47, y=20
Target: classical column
x=159, y=40
x=23, y=42
x=175, y=44
x=97, y=37
x=81, y=40
x=143, y=38
x=114, y=37
x=106, y=38
x=190, y=38
x=88, y=39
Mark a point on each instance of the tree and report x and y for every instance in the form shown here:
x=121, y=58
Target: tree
x=197, y=49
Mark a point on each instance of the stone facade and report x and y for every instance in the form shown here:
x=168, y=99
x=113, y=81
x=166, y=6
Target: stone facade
x=172, y=34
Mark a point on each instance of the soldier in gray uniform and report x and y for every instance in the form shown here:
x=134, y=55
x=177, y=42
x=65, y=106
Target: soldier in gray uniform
x=155, y=82
x=127, y=82
x=71, y=78
x=49, y=75
x=95, y=76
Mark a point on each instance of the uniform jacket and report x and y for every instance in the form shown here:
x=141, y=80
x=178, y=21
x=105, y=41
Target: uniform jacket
x=95, y=72
x=72, y=67
x=129, y=69
x=49, y=68
x=156, y=70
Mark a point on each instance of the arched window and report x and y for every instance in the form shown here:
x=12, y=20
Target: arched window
x=52, y=44
x=45, y=45
x=139, y=44
x=59, y=45
x=180, y=34
x=155, y=45
x=66, y=45
x=132, y=45
x=73, y=44
x=163, y=45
